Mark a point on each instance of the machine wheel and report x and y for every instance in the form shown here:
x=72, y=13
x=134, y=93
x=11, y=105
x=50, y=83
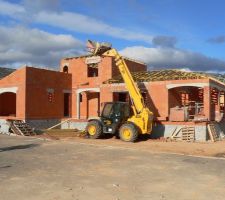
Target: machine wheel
x=128, y=132
x=94, y=129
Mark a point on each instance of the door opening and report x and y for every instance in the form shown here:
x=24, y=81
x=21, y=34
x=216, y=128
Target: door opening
x=66, y=104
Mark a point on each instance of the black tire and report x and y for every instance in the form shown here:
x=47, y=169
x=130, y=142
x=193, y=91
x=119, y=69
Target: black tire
x=98, y=129
x=128, y=132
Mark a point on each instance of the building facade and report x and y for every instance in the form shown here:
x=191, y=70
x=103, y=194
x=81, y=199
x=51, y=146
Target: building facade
x=45, y=97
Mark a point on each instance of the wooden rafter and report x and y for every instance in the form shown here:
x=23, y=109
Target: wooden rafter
x=160, y=75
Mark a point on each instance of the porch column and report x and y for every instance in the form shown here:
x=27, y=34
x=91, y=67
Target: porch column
x=224, y=103
x=207, y=102
x=78, y=105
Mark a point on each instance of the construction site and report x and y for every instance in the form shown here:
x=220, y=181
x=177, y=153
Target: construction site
x=61, y=130
x=112, y=100
x=186, y=106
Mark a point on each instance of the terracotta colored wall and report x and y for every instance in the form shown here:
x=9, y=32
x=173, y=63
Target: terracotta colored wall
x=93, y=104
x=17, y=79
x=207, y=103
x=106, y=95
x=158, y=98
x=133, y=67
x=78, y=68
x=38, y=83
x=107, y=69
x=32, y=100
x=155, y=100
x=89, y=105
x=84, y=106
x=73, y=103
x=173, y=98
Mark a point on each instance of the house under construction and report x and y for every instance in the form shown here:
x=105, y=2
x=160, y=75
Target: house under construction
x=44, y=97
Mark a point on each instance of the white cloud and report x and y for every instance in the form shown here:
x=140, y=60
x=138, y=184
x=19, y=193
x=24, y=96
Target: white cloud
x=85, y=24
x=39, y=13
x=33, y=46
x=36, y=47
x=11, y=9
x=157, y=58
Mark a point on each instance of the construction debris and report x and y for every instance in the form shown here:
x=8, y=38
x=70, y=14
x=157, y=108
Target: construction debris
x=20, y=127
x=64, y=133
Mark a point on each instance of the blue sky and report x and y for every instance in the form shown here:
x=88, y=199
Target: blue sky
x=162, y=33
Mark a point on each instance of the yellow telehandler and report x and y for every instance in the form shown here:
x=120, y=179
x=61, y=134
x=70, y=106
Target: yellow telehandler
x=120, y=117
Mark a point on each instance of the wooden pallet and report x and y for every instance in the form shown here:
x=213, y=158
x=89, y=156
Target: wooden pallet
x=188, y=134
x=214, y=131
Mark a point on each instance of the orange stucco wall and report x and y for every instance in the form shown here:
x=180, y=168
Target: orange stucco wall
x=39, y=83
x=79, y=70
x=159, y=99
x=40, y=93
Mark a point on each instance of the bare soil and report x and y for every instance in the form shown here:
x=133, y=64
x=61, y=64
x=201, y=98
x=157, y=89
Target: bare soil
x=214, y=149
x=75, y=168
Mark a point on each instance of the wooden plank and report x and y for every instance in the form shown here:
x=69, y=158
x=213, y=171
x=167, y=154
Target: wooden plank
x=175, y=133
x=60, y=123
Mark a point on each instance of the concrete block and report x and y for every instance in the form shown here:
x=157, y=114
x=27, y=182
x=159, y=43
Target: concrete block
x=4, y=127
x=43, y=124
x=74, y=125
x=166, y=130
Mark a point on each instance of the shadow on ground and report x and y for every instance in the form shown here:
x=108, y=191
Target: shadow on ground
x=141, y=137
x=17, y=147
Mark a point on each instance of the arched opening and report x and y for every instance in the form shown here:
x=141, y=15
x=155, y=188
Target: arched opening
x=88, y=103
x=8, y=104
x=65, y=69
x=186, y=103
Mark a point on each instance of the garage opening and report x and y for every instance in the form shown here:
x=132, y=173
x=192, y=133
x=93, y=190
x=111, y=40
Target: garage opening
x=8, y=104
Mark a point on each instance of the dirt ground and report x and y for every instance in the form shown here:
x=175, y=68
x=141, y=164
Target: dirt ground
x=215, y=149
x=108, y=169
